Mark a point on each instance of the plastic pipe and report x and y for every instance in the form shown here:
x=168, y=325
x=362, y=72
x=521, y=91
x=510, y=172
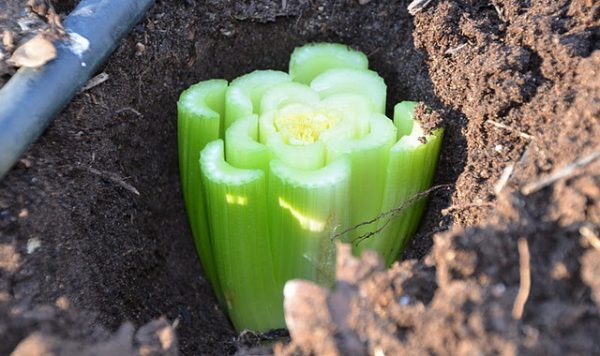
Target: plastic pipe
x=33, y=97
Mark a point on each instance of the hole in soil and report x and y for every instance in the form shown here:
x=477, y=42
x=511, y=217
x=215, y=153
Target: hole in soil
x=127, y=257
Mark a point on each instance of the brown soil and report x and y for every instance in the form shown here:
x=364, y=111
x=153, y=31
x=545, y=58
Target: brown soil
x=515, y=83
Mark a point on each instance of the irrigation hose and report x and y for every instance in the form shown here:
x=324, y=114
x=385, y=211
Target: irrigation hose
x=34, y=96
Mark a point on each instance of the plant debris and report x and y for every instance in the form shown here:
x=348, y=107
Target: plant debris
x=34, y=53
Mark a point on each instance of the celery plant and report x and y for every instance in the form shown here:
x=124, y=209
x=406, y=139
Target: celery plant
x=274, y=165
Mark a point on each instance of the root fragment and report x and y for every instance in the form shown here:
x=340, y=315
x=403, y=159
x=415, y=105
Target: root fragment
x=525, y=277
x=567, y=171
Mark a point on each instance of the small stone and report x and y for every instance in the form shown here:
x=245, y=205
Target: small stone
x=62, y=303
x=33, y=244
x=24, y=163
x=24, y=213
x=139, y=49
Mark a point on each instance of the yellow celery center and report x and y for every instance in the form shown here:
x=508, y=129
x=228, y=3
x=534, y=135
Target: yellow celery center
x=304, y=128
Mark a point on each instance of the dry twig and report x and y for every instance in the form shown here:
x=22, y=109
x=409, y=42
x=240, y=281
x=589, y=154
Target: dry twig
x=113, y=177
x=590, y=235
x=130, y=109
x=483, y=204
x=95, y=81
x=525, y=277
x=508, y=128
x=564, y=172
x=454, y=50
x=506, y=174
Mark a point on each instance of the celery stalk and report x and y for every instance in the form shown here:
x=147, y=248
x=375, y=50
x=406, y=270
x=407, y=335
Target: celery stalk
x=287, y=93
x=342, y=80
x=305, y=207
x=369, y=159
x=199, y=111
x=404, y=117
x=309, y=61
x=237, y=201
x=244, y=93
x=242, y=148
x=298, y=156
x=410, y=171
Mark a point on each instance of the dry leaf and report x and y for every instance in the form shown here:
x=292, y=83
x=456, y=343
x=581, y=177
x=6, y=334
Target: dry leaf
x=33, y=53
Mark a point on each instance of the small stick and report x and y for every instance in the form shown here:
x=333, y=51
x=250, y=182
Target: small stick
x=452, y=51
x=127, y=108
x=114, y=178
x=95, y=81
x=506, y=174
x=525, y=277
x=506, y=127
x=484, y=204
x=591, y=236
x=564, y=172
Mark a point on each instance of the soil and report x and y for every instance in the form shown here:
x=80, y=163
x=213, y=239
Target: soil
x=514, y=83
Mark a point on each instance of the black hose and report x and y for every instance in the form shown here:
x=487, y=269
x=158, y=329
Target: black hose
x=33, y=97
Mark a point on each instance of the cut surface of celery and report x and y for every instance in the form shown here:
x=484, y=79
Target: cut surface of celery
x=309, y=61
x=245, y=93
x=237, y=202
x=343, y=80
x=242, y=148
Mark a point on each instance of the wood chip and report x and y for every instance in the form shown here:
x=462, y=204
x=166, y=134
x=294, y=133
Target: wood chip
x=417, y=6
x=34, y=53
x=95, y=81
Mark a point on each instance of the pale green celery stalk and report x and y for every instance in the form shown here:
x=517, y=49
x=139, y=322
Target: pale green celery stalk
x=309, y=61
x=308, y=157
x=199, y=111
x=287, y=93
x=404, y=117
x=410, y=171
x=237, y=202
x=244, y=93
x=343, y=80
x=369, y=160
x=305, y=209
x=242, y=148
x=353, y=108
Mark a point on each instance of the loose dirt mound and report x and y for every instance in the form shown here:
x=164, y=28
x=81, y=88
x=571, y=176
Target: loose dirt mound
x=514, y=83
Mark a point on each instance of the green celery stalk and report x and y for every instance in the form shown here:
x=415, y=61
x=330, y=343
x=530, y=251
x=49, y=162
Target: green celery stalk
x=343, y=80
x=305, y=207
x=199, y=111
x=242, y=148
x=410, y=171
x=306, y=157
x=309, y=61
x=287, y=93
x=237, y=201
x=404, y=117
x=244, y=93
x=369, y=157
x=356, y=112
